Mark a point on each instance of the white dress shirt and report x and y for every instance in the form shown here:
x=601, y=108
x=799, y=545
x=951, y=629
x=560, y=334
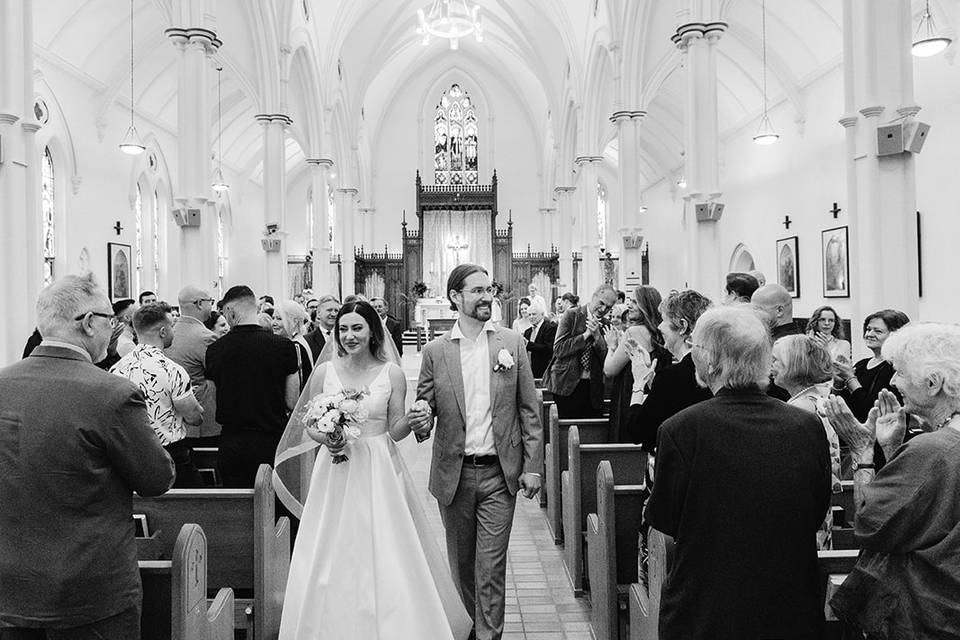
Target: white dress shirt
x=535, y=330
x=475, y=368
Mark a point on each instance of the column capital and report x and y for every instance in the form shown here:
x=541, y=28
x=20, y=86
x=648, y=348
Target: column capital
x=278, y=118
x=31, y=127
x=564, y=190
x=8, y=118
x=848, y=121
x=587, y=159
x=909, y=111
x=623, y=115
x=182, y=36
x=696, y=30
x=320, y=162
x=872, y=111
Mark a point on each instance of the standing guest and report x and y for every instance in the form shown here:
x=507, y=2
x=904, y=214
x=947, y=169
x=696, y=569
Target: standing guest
x=907, y=523
x=719, y=460
x=165, y=386
x=265, y=305
x=75, y=443
x=496, y=312
x=539, y=337
x=568, y=301
x=327, y=309
x=775, y=305
x=257, y=385
x=521, y=323
x=740, y=288
x=674, y=387
x=312, y=305
x=123, y=311
x=189, y=349
x=217, y=324
x=575, y=373
x=391, y=324
x=621, y=297
x=146, y=297
x=290, y=321
x=826, y=327
x=534, y=295
x=761, y=279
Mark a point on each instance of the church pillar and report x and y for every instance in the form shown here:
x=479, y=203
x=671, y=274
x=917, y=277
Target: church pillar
x=697, y=43
x=323, y=276
x=630, y=224
x=197, y=244
x=589, y=240
x=17, y=132
x=565, y=218
x=346, y=213
x=275, y=203
x=366, y=219
x=881, y=190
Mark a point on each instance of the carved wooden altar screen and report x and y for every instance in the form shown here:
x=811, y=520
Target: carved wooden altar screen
x=535, y=267
x=381, y=275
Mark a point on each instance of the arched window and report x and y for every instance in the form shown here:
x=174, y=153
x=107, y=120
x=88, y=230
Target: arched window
x=221, y=253
x=48, y=204
x=155, y=228
x=601, y=215
x=455, y=139
x=138, y=219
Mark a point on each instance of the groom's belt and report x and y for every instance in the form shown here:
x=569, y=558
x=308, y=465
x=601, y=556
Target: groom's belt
x=480, y=461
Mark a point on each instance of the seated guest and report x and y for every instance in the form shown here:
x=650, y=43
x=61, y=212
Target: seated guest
x=290, y=321
x=539, y=338
x=743, y=481
x=674, y=387
x=575, y=373
x=123, y=311
x=860, y=385
x=826, y=328
x=740, y=286
x=75, y=443
x=521, y=323
x=165, y=386
x=327, y=309
x=907, y=524
x=257, y=382
x=803, y=367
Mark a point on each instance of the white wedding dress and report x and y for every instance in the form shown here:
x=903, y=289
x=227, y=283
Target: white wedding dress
x=365, y=565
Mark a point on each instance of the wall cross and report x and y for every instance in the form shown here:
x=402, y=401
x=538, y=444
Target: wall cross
x=836, y=210
x=787, y=222
x=117, y=227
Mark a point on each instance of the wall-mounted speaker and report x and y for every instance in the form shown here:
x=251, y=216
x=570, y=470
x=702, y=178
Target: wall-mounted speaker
x=914, y=135
x=890, y=139
x=709, y=211
x=186, y=217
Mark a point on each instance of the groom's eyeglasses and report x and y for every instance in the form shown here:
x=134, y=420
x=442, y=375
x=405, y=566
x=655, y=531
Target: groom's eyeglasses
x=478, y=291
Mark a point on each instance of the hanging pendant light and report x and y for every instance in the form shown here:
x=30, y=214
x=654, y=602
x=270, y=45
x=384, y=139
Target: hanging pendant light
x=927, y=41
x=131, y=143
x=450, y=19
x=219, y=184
x=765, y=132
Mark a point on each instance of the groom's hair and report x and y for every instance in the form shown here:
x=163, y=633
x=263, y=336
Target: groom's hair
x=368, y=313
x=458, y=276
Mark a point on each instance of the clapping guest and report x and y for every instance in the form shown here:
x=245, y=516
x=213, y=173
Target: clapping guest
x=826, y=328
x=907, y=523
x=539, y=338
x=327, y=309
x=290, y=320
x=534, y=295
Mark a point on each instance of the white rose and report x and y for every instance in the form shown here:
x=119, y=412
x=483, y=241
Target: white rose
x=504, y=359
x=349, y=406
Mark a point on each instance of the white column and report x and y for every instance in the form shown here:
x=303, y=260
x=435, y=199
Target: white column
x=197, y=244
x=16, y=89
x=630, y=223
x=881, y=190
x=346, y=212
x=323, y=276
x=274, y=200
x=548, y=224
x=565, y=218
x=366, y=217
x=588, y=240
x=697, y=43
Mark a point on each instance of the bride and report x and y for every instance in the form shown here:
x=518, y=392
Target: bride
x=365, y=564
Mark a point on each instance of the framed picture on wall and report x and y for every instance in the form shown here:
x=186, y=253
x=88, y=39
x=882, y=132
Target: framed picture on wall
x=788, y=265
x=836, y=262
x=119, y=271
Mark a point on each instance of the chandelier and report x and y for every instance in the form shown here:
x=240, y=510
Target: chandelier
x=132, y=144
x=928, y=40
x=450, y=19
x=765, y=133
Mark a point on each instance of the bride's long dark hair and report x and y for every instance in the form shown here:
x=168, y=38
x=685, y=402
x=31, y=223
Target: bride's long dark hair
x=368, y=313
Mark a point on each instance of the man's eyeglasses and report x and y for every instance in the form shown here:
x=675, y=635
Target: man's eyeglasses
x=109, y=316
x=478, y=291
x=198, y=301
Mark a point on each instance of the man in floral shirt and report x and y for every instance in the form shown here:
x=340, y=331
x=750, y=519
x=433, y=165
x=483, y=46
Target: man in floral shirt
x=165, y=386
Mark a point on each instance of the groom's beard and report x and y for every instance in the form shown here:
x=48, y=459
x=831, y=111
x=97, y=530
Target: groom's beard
x=481, y=311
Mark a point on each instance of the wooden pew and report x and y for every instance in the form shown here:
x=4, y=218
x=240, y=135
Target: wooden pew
x=205, y=459
x=612, y=534
x=592, y=430
x=175, y=594
x=544, y=409
x=578, y=487
x=248, y=550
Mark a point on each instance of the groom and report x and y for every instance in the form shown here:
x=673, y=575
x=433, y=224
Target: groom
x=477, y=381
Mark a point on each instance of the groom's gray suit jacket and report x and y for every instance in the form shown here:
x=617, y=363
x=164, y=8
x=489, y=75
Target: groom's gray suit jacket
x=517, y=432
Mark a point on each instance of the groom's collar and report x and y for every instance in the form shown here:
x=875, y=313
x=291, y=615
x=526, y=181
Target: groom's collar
x=457, y=334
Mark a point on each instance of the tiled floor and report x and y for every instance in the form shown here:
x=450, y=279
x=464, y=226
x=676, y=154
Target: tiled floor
x=540, y=602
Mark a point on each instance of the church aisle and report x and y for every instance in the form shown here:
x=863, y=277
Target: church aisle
x=540, y=601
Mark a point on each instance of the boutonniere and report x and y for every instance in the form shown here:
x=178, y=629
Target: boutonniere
x=505, y=361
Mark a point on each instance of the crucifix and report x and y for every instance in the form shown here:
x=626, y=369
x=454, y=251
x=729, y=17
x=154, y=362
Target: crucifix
x=836, y=210
x=787, y=221
x=117, y=227
x=457, y=247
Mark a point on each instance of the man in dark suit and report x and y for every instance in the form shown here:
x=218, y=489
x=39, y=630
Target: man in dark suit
x=327, y=309
x=539, y=338
x=391, y=323
x=75, y=442
x=575, y=373
x=776, y=305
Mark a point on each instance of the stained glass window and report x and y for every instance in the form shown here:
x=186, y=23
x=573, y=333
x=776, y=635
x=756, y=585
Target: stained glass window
x=601, y=215
x=138, y=218
x=221, y=252
x=455, y=139
x=48, y=204
x=155, y=228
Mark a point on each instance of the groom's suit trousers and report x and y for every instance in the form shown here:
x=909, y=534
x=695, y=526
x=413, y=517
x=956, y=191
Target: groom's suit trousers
x=478, y=523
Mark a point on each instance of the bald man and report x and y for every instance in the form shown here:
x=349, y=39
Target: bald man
x=777, y=307
x=189, y=349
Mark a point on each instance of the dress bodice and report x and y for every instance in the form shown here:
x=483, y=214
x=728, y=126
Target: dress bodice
x=375, y=401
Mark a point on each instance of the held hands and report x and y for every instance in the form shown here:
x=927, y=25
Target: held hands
x=420, y=418
x=530, y=485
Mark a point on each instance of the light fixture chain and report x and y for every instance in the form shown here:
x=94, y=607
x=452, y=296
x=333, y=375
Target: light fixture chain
x=131, y=63
x=763, y=40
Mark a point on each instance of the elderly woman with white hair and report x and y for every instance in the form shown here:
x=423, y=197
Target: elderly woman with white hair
x=742, y=483
x=290, y=320
x=907, y=579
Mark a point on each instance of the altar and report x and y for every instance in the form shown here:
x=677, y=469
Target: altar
x=432, y=308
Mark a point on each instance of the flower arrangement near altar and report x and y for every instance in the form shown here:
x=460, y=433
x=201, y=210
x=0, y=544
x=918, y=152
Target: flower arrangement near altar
x=339, y=416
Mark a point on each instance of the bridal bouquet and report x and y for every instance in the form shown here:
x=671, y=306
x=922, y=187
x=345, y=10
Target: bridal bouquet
x=339, y=416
